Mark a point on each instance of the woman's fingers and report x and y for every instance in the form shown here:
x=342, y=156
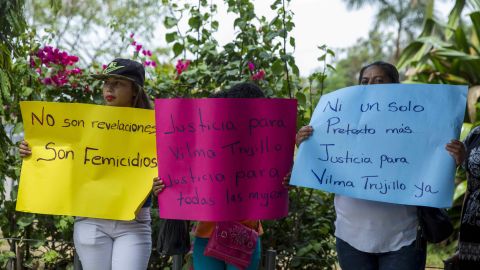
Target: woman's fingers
x=286, y=180
x=304, y=133
x=457, y=150
x=158, y=186
x=24, y=149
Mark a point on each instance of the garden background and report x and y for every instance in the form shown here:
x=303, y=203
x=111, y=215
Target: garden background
x=48, y=48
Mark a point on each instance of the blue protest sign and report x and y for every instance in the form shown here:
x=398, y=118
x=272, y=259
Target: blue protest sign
x=385, y=143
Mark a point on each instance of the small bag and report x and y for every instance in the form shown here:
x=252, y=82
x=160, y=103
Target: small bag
x=233, y=243
x=435, y=225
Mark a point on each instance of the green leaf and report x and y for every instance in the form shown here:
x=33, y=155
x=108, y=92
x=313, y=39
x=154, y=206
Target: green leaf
x=454, y=54
x=322, y=57
x=277, y=67
x=461, y=40
x=50, y=256
x=178, y=49
x=170, y=22
x=472, y=101
x=4, y=84
x=194, y=22
x=214, y=25
x=301, y=98
x=466, y=128
x=460, y=190
x=292, y=42
x=454, y=18
x=475, y=17
x=26, y=91
x=451, y=78
x=408, y=54
x=294, y=68
x=428, y=27
x=25, y=221
x=170, y=37
x=331, y=67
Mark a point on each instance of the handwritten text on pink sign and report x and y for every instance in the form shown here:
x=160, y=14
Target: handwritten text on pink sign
x=224, y=159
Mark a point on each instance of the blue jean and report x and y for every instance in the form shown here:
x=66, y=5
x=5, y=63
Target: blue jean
x=406, y=258
x=201, y=261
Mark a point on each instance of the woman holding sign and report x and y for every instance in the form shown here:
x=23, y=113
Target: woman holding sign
x=374, y=235
x=113, y=244
x=204, y=232
x=467, y=154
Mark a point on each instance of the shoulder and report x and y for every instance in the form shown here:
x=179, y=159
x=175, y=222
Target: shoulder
x=474, y=133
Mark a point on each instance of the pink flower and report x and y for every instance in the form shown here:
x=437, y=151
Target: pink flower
x=134, y=43
x=153, y=63
x=73, y=59
x=182, y=66
x=149, y=53
x=144, y=52
x=132, y=34
x=251, y=66
x=146, y=63
x=260, y=75
x=56, y=62
x=138, y=47
x=104, y=66
x=47, y=81
x=76, y=71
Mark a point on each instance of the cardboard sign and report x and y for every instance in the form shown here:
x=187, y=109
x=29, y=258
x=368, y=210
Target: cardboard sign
x=384, y=143
x=87, y=160
x=224, y=159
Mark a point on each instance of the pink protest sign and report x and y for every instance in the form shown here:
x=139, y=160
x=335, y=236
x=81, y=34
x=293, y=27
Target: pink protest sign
x=224, y=159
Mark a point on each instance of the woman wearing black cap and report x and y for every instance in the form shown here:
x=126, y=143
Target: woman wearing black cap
x=112, y=244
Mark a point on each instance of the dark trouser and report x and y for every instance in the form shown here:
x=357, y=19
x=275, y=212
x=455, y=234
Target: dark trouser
x=406, y=258
x=469, y=265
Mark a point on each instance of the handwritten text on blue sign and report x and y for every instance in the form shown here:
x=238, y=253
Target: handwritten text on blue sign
x=384, y=143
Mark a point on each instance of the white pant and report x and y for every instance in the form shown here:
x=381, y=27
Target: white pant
x=104, y=244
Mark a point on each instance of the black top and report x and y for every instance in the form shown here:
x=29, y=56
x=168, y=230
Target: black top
x=469, y=243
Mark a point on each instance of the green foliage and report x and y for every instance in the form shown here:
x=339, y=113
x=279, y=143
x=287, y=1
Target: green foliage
x=377, y=46
x=400, y=17
x=436, y=254
x=304, y=240
x=451, y=58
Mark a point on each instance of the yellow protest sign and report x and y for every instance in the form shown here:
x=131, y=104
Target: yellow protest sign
x=87, y=160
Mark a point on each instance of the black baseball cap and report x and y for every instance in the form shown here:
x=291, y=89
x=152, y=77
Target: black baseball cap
x=124, y=69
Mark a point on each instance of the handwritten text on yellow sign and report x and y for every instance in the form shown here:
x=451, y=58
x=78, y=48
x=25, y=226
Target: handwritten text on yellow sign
x=87, y=160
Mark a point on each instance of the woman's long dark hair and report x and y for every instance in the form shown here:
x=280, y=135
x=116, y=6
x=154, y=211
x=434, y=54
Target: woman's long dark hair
x=141, y=98
x=389, y=69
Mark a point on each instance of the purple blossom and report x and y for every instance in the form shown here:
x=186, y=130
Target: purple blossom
x=260, y=75
x=251, y=66
x=182, y=66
